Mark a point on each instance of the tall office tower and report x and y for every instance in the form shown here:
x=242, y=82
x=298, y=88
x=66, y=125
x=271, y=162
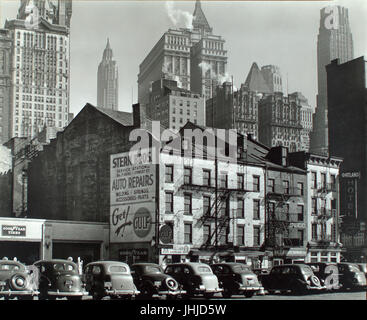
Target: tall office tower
x=195, y=58
x=347, y=102
x=5, y=84
x=40, y=76
x=280, y=121
x=334, y=41
x=107, y=81
x=306, y=120
x=272, y=77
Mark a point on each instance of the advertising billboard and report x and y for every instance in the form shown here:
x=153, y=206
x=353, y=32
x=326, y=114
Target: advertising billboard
x=132, y=197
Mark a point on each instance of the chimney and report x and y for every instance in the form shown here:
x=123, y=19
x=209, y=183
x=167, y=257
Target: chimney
x=136, y=115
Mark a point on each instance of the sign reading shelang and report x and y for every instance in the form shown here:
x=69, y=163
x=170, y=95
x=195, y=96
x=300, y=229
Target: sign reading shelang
x=132, y=197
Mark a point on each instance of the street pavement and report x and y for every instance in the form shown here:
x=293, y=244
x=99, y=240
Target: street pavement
x=320, y=296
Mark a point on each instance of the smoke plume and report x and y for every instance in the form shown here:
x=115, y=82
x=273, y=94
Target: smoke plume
x=179, y=17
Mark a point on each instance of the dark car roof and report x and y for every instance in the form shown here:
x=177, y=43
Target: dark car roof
x=193, y=264
x=56, y=261
x=291, y=265
x=145, y=264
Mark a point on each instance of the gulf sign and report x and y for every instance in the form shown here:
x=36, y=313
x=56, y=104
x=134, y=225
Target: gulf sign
x=132, y=197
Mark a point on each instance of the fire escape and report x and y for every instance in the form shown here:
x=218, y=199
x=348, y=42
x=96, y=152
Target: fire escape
x=280, y=218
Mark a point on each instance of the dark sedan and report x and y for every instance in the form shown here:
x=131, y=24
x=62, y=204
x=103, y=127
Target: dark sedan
x=236, y=278
x=151, y=281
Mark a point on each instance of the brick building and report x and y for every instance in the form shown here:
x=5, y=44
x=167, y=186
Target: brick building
x=174, y=106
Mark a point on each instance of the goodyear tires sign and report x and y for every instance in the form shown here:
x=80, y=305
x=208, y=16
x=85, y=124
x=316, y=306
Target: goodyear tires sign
x=132, y=197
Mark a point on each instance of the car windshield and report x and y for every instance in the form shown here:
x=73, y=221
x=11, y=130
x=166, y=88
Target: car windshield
x=9, y=267
x=63, y=267
x=240, y=268
x=203, y=269
x=152, y=269
x=118, y=269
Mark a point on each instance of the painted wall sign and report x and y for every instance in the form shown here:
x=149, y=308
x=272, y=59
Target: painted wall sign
x=166, y=234
x=132, y=197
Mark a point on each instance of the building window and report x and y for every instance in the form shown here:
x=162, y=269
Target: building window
x=300, y=188
x=240, y=235
x=271, y=209
x=188, y=175
x=300, y=210
x=206, y=233
x=240, y=208
x=224, y=181
x=206, y=205
x=314, y=206
x=256, y=235
x=286, y=186
x=188, y=203
x=169, y=173
x=256, y=206
x=333, y=182
x=224, y=208
x=271, y=185
x=323, y=180
x=314, y=231
x=300, y=237
x=240, y=181
x=313, y=180
x=256, y=183
x=188, y=233
x=169, y=202
x=206, y=177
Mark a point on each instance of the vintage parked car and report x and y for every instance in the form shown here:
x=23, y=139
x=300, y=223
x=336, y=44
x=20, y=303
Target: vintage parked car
x=151, y=280
x=109, y=278
x=297, y=278
x=321, y=270
x=16, y=280
x=363, y=268
x=351, y=277
x=58, y=279
x=195, y=277
x=236, y=278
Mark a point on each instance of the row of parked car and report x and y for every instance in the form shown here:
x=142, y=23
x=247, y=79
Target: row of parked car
x=50, y=279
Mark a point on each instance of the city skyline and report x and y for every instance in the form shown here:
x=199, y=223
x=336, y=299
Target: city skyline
x=293, y=39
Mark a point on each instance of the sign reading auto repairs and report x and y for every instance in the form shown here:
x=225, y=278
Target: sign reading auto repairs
x=132, y=197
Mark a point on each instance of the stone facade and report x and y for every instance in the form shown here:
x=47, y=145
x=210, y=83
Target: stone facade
x=280, y=121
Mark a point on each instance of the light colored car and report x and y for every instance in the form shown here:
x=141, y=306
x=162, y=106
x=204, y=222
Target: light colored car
x=195, y=277
x=58, y=279
x=17, y=280
x=109, y=278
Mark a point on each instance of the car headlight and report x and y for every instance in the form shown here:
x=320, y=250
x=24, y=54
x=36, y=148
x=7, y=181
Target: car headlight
x=201, y=287
x=20, y=282
x=107, y=284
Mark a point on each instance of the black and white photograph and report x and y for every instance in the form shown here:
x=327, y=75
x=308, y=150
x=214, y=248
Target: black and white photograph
x=177, y=157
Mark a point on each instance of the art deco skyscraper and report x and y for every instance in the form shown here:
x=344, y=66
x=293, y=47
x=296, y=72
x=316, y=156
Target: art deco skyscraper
x=194, y=57
x=107, y=82
x=334, y=41
x=40, y=69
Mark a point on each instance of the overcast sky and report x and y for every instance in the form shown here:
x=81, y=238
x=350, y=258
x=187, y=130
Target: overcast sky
x=283, y=33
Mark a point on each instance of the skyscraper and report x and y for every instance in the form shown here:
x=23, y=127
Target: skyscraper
x=40, y=68
x=193, y=57
x=334, y=41
x=107, y=81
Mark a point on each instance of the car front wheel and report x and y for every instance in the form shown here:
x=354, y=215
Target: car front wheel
x=227, y=293
x=249, y=294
